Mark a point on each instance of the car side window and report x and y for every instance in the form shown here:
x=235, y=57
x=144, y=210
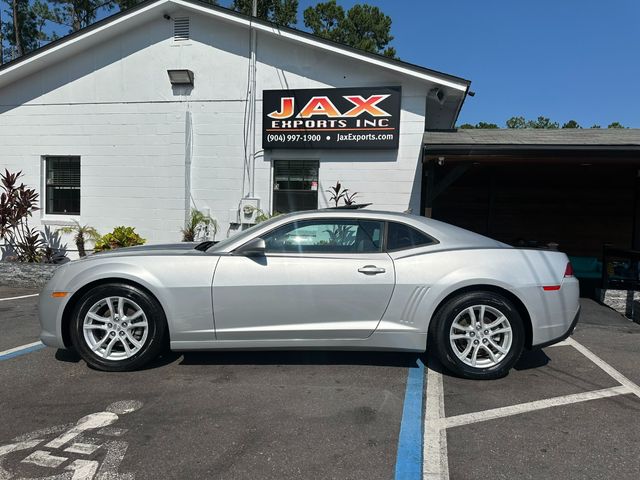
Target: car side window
x=401, y=236
x=326, y=236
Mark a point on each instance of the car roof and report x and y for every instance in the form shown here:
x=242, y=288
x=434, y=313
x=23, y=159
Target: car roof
x=450, y=235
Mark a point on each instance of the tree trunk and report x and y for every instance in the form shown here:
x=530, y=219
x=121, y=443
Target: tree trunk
x=80, y=245
x=16, y=29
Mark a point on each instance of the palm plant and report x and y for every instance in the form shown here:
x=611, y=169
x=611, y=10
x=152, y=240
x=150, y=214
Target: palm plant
x=199, y=225
x=81, y=233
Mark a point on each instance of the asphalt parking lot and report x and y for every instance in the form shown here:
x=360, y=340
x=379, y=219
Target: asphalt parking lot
x=569, y=411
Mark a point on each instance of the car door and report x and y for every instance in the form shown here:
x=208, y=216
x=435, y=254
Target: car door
x=318, y=279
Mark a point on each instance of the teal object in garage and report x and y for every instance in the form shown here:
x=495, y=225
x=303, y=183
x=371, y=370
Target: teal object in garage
x=586, y=267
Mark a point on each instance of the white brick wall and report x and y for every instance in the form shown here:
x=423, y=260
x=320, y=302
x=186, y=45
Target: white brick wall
x=114, y=107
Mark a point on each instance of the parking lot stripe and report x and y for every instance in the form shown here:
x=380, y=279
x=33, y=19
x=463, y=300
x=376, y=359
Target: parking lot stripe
x=409, y=457
x=18, y=298
x=21, y=350
x=495, y=413
x=436, y=463
x=612, y=372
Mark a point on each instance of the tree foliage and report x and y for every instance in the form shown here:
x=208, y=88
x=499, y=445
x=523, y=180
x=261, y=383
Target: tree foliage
x=540, y=122
x=37, y=22
x=20, y=28
x=479, y=125
x=516, y=122
x=77, y=14
x=281, y=12
x=571, y=124
x=362, y=26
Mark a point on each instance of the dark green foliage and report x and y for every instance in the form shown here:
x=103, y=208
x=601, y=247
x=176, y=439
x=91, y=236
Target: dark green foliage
x=571, y=124
x=540, y=122
x=20, y=18
x=615, y=125
x=363, y=26
x=481, y=125
x=516, y=122
x=282, y=12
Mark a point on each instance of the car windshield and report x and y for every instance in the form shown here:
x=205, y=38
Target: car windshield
x=222, y=244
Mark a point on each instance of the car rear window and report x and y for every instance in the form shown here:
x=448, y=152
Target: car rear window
x=401, y=236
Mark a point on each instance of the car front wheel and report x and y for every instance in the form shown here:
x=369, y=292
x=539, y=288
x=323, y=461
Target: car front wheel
x=479, y=335
x=117, y=327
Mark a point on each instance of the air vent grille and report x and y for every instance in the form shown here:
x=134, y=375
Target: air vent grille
x=181, y=29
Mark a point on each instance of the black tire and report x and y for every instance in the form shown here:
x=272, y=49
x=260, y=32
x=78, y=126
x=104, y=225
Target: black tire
x=152, y=346
x=442, y=328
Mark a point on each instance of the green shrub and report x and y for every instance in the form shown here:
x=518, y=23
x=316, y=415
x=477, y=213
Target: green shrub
x=120, y=237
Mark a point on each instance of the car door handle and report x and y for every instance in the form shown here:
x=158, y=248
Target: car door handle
x=371, y=270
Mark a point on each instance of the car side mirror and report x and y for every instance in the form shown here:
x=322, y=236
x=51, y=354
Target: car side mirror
x=252, y=248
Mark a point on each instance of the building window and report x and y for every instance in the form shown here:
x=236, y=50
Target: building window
x=62, y=195
x=295, y=185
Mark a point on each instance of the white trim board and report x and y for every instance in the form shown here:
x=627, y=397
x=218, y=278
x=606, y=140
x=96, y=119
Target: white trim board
x=259, y=25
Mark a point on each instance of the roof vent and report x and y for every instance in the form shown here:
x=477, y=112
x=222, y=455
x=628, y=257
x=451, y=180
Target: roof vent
x=180, y=29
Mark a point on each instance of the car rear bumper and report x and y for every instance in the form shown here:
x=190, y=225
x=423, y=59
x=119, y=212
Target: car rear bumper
x=565, y=335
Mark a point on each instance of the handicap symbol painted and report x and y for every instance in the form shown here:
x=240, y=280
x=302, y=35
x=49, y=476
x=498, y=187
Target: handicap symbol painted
x=70, y=455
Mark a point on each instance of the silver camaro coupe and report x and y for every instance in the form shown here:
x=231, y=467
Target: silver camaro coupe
x=341, y=279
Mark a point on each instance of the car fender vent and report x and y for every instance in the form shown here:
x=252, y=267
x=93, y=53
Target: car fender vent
x=180, y=29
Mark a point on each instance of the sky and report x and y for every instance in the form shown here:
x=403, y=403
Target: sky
x=563, y=59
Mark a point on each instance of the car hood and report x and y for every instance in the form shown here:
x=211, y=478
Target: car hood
x=183, y=248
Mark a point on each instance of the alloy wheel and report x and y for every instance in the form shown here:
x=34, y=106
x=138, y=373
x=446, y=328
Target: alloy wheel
x=481, y=336
x=115, y=328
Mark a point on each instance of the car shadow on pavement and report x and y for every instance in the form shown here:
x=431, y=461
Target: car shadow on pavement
x=71, y=356
x=530, y=359
x=299, y=357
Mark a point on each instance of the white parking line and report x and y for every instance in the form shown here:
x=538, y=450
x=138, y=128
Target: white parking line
x=18, y=298
x=435, y=464
x=612, y=372
x=435, y=457
x=495, y=413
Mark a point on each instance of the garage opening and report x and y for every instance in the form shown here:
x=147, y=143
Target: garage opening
x=576, y=198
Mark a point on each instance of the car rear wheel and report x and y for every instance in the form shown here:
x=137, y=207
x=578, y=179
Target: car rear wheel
x=117, y=327
x=479, y=335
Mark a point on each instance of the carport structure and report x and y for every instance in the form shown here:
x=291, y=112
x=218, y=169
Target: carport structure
x=577, y=188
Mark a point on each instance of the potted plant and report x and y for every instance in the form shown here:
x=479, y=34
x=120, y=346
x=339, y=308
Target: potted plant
x=199, y=226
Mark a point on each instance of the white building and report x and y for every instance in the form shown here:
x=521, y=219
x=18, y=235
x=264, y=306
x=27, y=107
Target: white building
x=95, y=124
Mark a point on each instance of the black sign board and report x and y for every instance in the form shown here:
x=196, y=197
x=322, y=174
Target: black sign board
x=337, y=118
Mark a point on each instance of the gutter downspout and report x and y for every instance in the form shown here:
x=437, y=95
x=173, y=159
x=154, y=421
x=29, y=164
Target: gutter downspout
x=188, y=148
x=252, y=102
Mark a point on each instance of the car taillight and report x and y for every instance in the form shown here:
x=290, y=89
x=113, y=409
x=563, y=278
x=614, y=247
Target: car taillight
x=568, y=272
